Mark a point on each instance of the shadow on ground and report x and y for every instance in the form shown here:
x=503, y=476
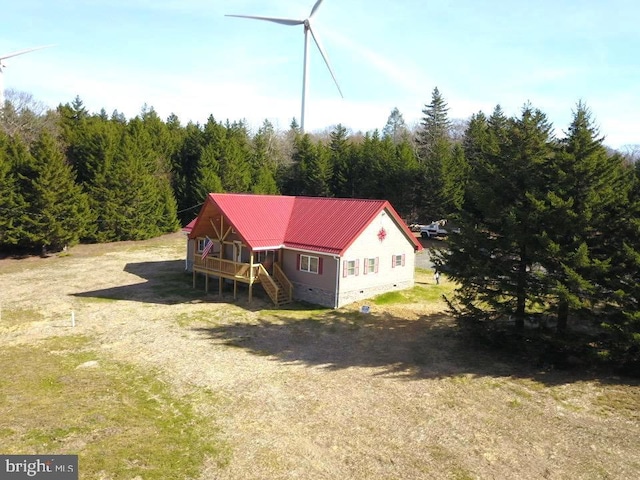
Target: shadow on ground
x=167, y=283
x=426, y=347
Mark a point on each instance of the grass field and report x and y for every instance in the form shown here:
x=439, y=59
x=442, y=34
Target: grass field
x=158, y=380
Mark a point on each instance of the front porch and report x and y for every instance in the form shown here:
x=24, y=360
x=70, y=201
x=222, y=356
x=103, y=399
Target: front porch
x=276, y=284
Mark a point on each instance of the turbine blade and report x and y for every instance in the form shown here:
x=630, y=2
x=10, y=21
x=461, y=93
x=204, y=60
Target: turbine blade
x=315, y=7
x=22, y=52
x=282, y=21
x=326, y=59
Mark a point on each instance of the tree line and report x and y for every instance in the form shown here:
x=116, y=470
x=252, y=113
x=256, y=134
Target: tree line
x=550, y=226
x=69, y=175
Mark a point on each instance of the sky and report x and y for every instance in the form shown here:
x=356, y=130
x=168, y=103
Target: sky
x=186, y=57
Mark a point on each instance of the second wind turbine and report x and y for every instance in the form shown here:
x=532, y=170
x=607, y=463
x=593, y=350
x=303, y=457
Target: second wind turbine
x=307, y=29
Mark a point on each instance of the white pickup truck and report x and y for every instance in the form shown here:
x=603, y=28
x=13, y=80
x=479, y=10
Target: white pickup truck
x=433, y=230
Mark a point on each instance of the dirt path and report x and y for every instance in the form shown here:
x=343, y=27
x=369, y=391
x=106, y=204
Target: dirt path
x=344, y=395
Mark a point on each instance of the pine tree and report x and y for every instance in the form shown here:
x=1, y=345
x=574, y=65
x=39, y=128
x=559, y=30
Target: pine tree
x=310, y=174
x=130, y=197
x=319, y=172
x=185, y=170
x=435, y=124
x=402, y=190
x=343, y=178
x=91, y=141
x=22, y=171
x=12, y=204
x=264, y=161
x=207, y=178
x=455, y=173
x=373, y=156
x=621, y=287
x=59, y=209
x=493, y=258
x=235, y=169
x=434, y=151
x=583, y=187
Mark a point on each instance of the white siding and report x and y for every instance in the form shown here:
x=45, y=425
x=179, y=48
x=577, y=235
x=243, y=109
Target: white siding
x=369, y=245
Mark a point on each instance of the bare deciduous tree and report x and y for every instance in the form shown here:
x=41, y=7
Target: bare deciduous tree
x=26, y=117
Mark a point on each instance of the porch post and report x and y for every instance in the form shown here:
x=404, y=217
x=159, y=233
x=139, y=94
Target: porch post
x=251, y=276
x=206, y=282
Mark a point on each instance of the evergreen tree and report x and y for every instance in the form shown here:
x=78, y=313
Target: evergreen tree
x=476, y=141
x=264, y=161
x=621, y=317
x=401, y=188
x=235, y=169
x=310, y=173
x=342, y=165
x=91, y=141
x=207, y=178
x=264, y=182
x=374, y=156
x=434, y=126
x=455, y=173
x=583, y=188
x=185, y=171
x=318, y=172
x=435, y=152
x=59, y=209
x=292, y=177
x=22, y=171
x=12, y=205
x=500, y=244
x=131, y=200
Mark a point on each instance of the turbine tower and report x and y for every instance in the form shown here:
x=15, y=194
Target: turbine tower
x=2, y=66
x=307, y=29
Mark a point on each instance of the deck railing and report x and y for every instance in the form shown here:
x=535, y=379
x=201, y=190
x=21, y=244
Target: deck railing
x=268, y=284
x=227, y=268
x=282, y=278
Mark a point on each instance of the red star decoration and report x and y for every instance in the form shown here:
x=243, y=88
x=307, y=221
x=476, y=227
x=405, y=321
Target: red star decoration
x=382, y=234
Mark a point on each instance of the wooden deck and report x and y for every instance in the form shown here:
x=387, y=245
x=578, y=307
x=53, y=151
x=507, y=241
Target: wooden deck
x=227, y=269
x=277, y=286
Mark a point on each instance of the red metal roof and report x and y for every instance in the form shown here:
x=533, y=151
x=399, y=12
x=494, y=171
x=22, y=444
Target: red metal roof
x=328, y=225
x=189, y=226
x=261, y=220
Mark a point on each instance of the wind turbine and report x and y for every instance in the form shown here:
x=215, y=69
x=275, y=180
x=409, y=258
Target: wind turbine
x=2, y=66
x=307, y=28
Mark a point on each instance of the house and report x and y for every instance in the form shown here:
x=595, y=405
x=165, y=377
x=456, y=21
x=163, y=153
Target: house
x=327, y=251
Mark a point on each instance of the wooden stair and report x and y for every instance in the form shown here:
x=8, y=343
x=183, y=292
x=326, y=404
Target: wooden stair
x=242, y=271
x=279, y=293
x=283, y=295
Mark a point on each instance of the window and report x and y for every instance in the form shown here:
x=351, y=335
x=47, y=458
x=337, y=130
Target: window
x=309, y=264
x=201, y=244
x=397, y=261
x=350, y=267
x=370, y=265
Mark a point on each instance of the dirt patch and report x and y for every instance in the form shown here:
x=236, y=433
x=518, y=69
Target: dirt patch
x=311, y=393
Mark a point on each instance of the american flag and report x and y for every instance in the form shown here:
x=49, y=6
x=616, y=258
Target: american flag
x=207, y=248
